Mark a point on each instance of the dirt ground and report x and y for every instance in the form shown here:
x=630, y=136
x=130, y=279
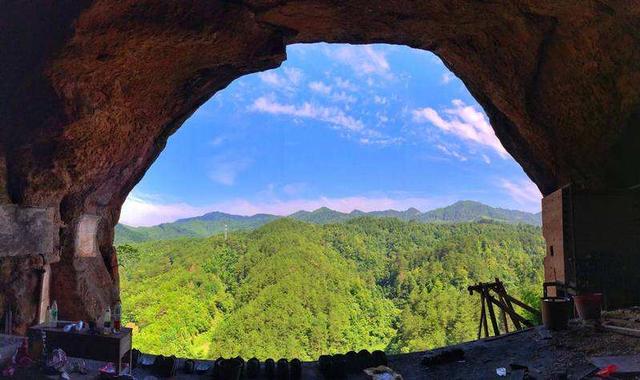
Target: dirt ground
x=544, y=354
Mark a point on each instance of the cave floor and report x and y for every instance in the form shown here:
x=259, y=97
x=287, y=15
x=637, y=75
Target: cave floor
x=547, y=355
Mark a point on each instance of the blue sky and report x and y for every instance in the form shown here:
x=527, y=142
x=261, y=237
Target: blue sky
x=368, y=127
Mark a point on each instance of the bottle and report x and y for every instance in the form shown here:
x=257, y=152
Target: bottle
x=107, y=321
x=47, y=317
x=54, y=313
x=117, y=314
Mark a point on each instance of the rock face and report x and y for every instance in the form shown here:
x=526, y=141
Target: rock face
x=91, y=90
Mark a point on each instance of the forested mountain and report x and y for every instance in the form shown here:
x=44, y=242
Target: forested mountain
x=201, y=226
x=297, y=289
x=211, y=223
x=466, y=211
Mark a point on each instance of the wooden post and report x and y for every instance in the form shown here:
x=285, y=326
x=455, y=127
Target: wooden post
x=483, y=319
x=44, y=296
x=492, y=314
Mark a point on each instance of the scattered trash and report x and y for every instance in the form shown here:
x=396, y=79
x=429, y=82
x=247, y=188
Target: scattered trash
x=502, y=372
x=621, y=330
x=434, y=358
x=624, y=363
x=9, y=371
x=146, y=360
x=202, y=367
x=607, y=371
x=57, y=360
x=108, y=369
x=79, y=366
x=74, y=326
x=382, y=373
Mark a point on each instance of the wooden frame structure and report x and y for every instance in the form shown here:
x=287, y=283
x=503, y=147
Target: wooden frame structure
x=504, y=302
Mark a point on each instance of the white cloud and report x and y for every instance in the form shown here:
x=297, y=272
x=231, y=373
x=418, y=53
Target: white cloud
x=524, y=192
x=486, y=159
x=293, y=74
x=342, y=97
x=326, y=90
x=288, y=80
x=320, y=87
x=363, y=60
x=345, y=84
x=272, y=78
x=218, y=140
x=451, y=152
x=463, y=121
x=446, y=78
x=382, y=141
x=294, y=188
x=330, y=115
x=379, y=99
x=224, y=169
x=140, y=211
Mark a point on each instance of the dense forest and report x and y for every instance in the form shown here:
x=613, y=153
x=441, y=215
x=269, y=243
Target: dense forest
x=294, y=289
x=215, y=222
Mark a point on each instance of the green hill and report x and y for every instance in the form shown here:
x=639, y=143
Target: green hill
x=201, y=226
x=296, y=289
x=469, y=211
x=212, y=223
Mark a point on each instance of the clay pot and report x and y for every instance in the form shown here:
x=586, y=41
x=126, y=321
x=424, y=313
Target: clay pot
x=555, y=312
x=379, y=358
x=253, y=368
x=338, y=366
x=270, y=368
x=589, y=306
x=324, y=362
x=352, y=361
x=216, y=367
x=296, y=369
x=364, y=359
x=230, y=369
x=282, y=369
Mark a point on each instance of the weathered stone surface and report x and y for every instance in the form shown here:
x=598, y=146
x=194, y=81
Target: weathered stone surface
x=91, y=90
x=27, y=231
x=86, y=236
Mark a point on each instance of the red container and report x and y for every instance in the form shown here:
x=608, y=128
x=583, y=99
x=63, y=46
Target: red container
x=588, y=305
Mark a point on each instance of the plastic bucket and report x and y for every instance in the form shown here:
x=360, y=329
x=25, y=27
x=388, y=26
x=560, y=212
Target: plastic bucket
x=588, y=306
x=555, y=312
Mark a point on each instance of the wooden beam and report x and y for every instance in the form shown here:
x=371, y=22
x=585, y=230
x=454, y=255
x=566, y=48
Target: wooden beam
x=503, y=297
x=494, y=323
x=513, y=315
x=523, y=305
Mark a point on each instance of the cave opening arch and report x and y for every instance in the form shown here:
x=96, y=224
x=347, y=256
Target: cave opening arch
x=88, y=110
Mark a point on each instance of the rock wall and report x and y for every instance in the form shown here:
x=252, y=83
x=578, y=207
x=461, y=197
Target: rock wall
x=91, y=90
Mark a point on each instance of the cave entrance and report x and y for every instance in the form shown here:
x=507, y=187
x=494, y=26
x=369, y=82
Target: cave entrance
x=370, y=252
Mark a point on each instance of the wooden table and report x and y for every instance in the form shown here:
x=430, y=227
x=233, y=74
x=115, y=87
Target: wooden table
x=83, y=344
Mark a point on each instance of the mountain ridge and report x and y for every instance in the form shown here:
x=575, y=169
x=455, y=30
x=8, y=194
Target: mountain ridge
x=215, y=222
